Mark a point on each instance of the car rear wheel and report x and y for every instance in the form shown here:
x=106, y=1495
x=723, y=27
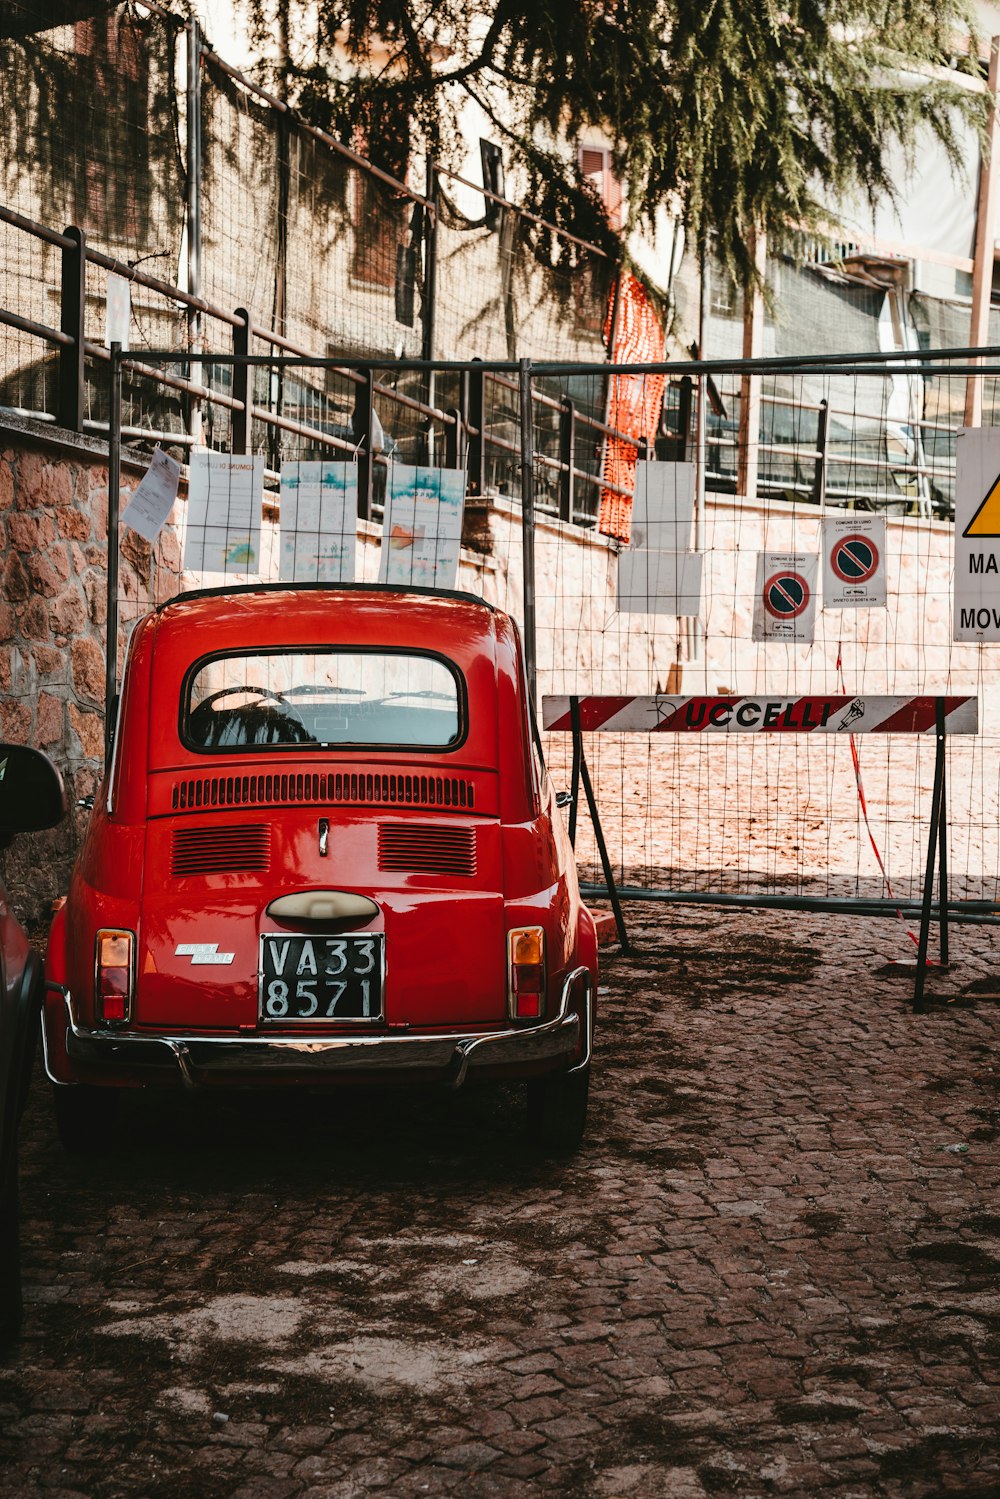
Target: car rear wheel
x=85, y=1117
x=557, y=1110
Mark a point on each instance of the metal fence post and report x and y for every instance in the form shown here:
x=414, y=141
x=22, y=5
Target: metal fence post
x=71, y=356
x=567, y=451
x=476, y=432
x=684, y=408
x=528, y=524
x=242, y=382
x=430, y=294
x=194, y=163
x=454, y=444
x=114, y=503
x=363, y=425
x=819, y=478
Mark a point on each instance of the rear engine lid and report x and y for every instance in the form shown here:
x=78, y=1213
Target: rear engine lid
x=436, y=882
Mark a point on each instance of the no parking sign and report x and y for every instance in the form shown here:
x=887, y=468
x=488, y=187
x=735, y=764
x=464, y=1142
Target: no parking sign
x=854, y=561
x=785, y=598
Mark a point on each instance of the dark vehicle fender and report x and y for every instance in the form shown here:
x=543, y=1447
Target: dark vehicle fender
x=19, y=1032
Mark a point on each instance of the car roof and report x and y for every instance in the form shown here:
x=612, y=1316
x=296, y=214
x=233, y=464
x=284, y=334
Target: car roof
x=280, y=614
x=240, y=590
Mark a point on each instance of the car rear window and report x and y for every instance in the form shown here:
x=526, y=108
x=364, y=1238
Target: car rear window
x=323, y=698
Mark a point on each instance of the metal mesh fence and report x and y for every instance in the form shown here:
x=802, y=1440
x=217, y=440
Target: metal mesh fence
x=749, y=814
x=752, y=815
x=498, y=299
x=330, y=257
x=324, y=254
x=197, y=177
x=90, y=138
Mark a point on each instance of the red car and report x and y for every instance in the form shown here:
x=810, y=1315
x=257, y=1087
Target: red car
x=327, y=850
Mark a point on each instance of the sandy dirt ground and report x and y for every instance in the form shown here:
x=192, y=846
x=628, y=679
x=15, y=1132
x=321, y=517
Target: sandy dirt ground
x=772, y=1268
x=765, y=814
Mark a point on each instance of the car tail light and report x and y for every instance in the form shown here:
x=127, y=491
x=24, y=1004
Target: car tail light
x=114, y=976
x=526, y=972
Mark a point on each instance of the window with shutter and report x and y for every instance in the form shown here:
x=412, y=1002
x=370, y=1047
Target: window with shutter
x=108, y=175
x=379, y=226
x=378, y=212
x=595, y=165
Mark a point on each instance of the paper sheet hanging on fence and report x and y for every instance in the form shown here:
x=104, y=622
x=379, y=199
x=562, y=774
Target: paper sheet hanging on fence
x=977, y=534
x=663, y=507
x=854, y=561
x=785, y=597
x=225, y=498
x=422, y=527
x=154, y=496
x=118, y=311
x=659, y=582
x=319, y=522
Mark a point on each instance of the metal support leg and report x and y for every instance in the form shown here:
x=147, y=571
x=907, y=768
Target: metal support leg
x=943, y=837
x=602, y=848
x=574, y=784
x=932, y=851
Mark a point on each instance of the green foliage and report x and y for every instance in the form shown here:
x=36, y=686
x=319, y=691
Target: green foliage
x=738, y=116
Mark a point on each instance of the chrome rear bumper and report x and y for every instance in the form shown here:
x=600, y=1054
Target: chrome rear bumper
x=201, y=1058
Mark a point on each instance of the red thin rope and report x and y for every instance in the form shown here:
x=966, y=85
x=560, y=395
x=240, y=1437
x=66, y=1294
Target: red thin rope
x=864, y=802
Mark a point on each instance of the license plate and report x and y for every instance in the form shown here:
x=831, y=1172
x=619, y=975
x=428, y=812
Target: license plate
x=320, y=979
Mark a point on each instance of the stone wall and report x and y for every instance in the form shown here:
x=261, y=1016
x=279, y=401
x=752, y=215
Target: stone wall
x=53, y=612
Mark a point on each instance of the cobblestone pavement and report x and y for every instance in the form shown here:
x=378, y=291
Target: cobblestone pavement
x=768, y=1271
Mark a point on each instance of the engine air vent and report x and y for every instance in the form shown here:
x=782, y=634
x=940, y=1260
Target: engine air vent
x=420, y=849
x=220, y=850
x=322, y=788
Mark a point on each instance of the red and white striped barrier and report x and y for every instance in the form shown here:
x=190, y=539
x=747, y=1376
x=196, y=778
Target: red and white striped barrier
x=761, y=714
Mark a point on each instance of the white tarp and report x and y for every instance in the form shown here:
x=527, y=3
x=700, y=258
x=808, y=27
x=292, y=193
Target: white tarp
x=657, y=571
x=935, y=207
x=663, y=506
x=659, y=582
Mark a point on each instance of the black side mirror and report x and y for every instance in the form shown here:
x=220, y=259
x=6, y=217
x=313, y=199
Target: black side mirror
x=564, y=798
x=31, y=791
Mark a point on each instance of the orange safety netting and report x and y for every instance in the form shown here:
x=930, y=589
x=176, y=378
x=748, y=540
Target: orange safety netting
x=634, y=401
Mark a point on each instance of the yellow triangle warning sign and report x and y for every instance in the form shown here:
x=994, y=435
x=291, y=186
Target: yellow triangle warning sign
x=986, y=521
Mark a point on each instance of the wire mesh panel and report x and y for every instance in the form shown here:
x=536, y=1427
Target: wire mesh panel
x=507, y=292
x=675, y=611
x=783, y=812
x=90, y=139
